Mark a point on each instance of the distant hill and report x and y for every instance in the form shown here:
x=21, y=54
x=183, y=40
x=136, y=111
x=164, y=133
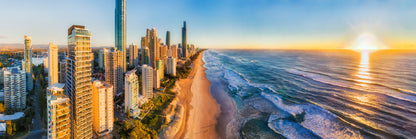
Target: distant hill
x=35, y=46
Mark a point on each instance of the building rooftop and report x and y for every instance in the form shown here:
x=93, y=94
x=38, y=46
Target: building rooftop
x=15, y=116
x=57, y=86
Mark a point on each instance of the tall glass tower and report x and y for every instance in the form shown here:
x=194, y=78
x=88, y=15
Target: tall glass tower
x=184, y=44
x=28, y=63
x=120, y=29
x=168, y=39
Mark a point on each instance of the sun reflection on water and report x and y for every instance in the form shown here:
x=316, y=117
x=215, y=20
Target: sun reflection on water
x=363, y=74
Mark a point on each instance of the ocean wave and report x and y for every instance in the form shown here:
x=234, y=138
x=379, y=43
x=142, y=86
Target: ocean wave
x=403, y=94
x=316, y=119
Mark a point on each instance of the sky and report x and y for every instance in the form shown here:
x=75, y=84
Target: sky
x=235, y=24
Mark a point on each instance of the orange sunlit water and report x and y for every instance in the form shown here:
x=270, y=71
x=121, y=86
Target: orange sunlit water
x=363, y=75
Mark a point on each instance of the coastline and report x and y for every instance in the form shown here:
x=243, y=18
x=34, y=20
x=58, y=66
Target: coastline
x=200, y=110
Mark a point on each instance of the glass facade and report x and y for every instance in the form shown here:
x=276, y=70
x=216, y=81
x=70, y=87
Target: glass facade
x=120, y=29
x=78, y=80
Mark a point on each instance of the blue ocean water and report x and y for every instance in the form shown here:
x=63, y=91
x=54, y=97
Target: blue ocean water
x=319, y=94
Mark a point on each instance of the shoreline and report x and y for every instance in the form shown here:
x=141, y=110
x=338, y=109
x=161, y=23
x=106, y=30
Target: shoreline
x=199, y=118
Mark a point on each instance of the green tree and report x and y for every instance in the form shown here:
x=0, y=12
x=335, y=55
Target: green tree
x=2, y=108
x=11, y=128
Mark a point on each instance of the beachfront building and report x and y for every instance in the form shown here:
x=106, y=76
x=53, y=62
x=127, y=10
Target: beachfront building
x=101, y=57
x=45, y=65
x=184, y=41
x=120, y=30
x=163, y=52
x=102, y=108
x=160, y=68
x=131, y=94
x=114, y=70
x=53, y=64
x=78, y=84
x=174, y=51
x=134, y=55
x=145, y=56
x=59, y=112
x=147, y=81
x=62, y=70
x=14, y=89
x=156, y=79
x=27, y=63
x=171, y=66
x=168, y=39
x=180, y=55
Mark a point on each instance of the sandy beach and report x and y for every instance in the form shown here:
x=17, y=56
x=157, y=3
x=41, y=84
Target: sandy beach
x=200, y=109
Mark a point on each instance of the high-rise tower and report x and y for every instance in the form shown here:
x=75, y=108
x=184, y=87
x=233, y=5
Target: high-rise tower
x=102, y=110
x=114, y=71
x=78, y=81
x=184, y=43
x=120, y=29
x=14, y=90
x=134, y=55
x=132, y=89
x=168, y=39
x=52, y=64
x=28, y=63
x=154, y=50
x=59, y=116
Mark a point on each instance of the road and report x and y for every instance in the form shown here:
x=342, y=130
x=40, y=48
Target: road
x=36, y=130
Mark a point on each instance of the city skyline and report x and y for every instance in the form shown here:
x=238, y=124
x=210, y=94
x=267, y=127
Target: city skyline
x=245, y=24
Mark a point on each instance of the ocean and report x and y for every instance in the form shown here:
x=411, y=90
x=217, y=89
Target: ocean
x=318, y=93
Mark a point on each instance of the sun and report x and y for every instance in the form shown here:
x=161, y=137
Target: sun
x=367, y=42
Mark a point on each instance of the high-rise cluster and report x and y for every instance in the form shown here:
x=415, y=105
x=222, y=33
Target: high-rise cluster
x=82, y=107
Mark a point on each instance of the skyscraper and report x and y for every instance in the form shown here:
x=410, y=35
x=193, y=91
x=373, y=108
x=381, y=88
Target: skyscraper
x=147, y=81
x=156, y=78
x=184, y=43
x=102, y=108
x=101, y=58
x=120, y=29
x=78, y=80
x=59, y=112
x=114, y=70
x=145, y=56
x=134, y=55
x=45, y=65
x=131, y=95
x=14, y=89
x=160, y=67
x=154, y=49
x=53, y=64
x=171, y=66
x=168, y=39
x=174, y=51
x=28, y=63
x=62, y=70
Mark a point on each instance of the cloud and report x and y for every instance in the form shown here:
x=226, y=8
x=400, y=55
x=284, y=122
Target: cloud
x=2, y=37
